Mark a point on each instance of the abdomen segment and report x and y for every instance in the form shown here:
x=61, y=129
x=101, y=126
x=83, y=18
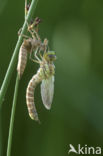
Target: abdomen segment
x=22, y=60
x=30, y=97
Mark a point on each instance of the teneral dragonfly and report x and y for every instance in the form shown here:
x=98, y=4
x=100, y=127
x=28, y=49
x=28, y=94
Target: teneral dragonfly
x=45, y=74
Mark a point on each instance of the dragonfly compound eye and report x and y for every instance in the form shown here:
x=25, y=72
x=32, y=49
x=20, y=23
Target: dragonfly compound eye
x=51, y=55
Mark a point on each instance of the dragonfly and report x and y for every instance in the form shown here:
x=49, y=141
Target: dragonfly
x=45, y=75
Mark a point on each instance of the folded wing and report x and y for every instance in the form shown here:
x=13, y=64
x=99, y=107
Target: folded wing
x=47, y=91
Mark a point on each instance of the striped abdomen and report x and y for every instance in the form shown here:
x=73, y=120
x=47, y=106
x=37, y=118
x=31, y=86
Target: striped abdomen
x=30, y=96
x=22, y=59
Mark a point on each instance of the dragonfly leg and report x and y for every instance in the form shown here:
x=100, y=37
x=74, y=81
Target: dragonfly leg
x=30, y=31
x=30, y=57
x=19, y=34
x=36, y=55
x=40, y=54
x=37, y=35
x=32, y=34
x=34, y=60
x=45, y=45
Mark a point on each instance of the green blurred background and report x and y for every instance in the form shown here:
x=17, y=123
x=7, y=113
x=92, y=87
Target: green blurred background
x=75, y=31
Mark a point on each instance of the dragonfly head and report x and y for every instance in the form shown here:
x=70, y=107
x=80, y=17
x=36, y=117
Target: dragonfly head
x=34, y=24
x=50, y=56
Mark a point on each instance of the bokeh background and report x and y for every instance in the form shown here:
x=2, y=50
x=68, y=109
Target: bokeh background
x=75, y=31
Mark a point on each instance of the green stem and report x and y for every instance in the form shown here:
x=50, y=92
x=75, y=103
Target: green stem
x=15, y=54
x=12, y=117
x=7, y=80
x=1, y=127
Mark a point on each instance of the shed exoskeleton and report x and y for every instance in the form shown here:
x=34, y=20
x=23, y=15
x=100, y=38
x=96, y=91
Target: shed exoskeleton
x=29, y=45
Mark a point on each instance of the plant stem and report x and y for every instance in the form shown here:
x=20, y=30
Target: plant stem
x=1, y=137
x=14, y=57
x=7, y=80
x=12, y=117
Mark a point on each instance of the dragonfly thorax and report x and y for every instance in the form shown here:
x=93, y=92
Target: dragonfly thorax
x=35, y=43
x=27, y=44
x=47, y=70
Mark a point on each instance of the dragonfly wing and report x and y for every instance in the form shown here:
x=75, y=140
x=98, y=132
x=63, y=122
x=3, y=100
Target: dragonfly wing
x=47, y=91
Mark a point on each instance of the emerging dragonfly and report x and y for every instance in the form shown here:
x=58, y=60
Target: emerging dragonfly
x=45, y=74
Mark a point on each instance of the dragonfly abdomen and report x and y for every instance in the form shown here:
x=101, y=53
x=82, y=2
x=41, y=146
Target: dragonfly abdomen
x=22, y=60
x=30, y=97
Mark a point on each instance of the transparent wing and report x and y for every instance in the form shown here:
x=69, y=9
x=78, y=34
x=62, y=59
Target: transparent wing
x=47, y=91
